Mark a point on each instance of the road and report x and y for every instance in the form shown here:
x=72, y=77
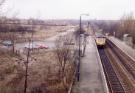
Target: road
x=50, y=42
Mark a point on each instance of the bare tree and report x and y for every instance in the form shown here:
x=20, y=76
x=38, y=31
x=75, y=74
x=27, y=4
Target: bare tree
x=1, y=19
x=26, y=70
x=126, y=25
x=1, y=2
x=65, y=55
x=13, y=35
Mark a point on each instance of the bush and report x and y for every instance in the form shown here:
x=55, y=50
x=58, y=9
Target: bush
x=6, y=89
x=2, y=77
x=10, y=69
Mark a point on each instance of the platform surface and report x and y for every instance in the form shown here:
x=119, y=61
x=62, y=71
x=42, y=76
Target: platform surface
x=91, y=78
x=123, y=46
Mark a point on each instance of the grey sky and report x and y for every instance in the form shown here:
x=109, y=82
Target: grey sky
x=71, y=9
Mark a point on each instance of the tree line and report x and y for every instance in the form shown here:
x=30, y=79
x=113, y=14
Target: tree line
x=125, y=25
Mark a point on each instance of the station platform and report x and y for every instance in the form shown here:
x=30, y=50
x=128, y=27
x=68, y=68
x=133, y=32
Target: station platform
x=92, y=78
x=123, y=46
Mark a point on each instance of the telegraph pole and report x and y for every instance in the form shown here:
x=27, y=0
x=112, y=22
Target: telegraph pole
x=78, y=72
x=26, y=70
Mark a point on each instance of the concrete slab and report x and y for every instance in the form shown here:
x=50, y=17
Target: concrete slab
x=92, y=79
x=124, y=47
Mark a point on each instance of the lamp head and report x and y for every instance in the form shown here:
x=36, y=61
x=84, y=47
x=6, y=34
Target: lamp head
x=85, y=14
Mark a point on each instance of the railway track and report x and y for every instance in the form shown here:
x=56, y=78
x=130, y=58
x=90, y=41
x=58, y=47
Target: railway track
x=113, y=81
x=125, y=60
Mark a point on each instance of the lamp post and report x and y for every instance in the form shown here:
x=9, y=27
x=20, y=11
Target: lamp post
x=80, y=25
x=80, y=33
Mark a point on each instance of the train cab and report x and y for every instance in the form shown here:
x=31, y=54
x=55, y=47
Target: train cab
x=100, y=40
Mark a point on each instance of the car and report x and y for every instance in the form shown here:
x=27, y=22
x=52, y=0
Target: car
x=7, y=43
x=30, y=46
x=69, y=43
x=41, y=46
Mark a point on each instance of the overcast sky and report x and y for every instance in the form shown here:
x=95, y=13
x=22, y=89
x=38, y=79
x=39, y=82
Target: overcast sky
x=71, y=9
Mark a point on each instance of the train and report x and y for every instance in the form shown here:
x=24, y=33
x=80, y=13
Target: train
x=100, y=40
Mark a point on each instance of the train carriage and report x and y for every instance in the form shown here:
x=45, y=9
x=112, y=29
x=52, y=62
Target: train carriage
x=100, y=40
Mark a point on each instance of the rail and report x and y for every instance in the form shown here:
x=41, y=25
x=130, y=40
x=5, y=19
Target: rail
x=113, y=82
x=126, y=61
